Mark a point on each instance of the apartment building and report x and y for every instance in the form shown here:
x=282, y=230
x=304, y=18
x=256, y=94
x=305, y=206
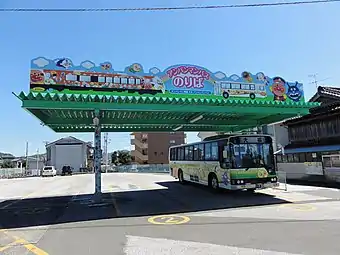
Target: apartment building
x=153, y=148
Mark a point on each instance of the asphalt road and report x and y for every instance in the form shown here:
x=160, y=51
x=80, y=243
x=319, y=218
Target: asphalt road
x=153, y=214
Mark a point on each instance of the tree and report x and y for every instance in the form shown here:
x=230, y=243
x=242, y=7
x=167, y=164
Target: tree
x=121, y=157
x=7, y=164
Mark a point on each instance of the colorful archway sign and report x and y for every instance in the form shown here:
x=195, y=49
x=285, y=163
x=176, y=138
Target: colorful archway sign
x=62, y=75
x=168, y=219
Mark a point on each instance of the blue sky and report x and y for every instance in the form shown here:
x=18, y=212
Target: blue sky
x=292, y=42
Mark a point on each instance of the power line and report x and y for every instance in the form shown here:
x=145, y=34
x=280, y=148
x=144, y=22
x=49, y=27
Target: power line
x=164, y=8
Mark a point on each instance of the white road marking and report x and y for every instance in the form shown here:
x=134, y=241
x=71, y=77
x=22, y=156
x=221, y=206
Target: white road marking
x=159, y=246
x=308, y=212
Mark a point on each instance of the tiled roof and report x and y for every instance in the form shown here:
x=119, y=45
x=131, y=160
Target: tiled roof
x=330, y=92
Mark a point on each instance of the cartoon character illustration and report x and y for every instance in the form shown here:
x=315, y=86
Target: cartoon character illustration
x=262, y=78
x=37, y=77
x=262, y=173
x=49, y=79
x=105, y=66
x=158, y=84
x=293, y=92
x=278, y=89
x=135, y=68
x=225, y=178
x=247, y=76
x=64, y=63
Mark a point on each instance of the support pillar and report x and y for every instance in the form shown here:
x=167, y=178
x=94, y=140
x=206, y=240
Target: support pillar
x=97, y=154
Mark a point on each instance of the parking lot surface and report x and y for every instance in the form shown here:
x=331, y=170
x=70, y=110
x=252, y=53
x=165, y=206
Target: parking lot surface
x=154, y=214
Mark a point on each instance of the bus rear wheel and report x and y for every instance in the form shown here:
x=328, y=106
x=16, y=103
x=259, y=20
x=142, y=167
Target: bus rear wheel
x=213, y=182
x=180, y=177
x=252, y=96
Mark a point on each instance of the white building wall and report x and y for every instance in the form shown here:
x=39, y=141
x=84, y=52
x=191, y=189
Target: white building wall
x=32, y=164
x=73, y=155
x=280, y=135
x=68, y=151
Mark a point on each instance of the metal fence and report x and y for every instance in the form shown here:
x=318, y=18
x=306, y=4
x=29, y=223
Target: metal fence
x=282, y=179
x=9, y=173
x=141, y=169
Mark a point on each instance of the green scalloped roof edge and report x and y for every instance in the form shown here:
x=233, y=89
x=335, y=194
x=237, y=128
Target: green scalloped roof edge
x=155, y=100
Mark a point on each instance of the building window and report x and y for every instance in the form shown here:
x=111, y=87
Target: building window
x=172, y=141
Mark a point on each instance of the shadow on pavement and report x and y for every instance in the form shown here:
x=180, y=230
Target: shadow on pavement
x=173, y=198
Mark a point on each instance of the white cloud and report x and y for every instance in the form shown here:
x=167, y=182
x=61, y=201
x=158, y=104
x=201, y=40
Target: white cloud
x=234, y=77
x=154, y=70
x=220, y=75
x=41, y=62
x=87, y=64
x=127, y=148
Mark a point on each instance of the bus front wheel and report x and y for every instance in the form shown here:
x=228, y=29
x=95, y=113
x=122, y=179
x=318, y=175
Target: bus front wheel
x=252, y=96
x=180, y=177
x=225, y=94
x=213, y=182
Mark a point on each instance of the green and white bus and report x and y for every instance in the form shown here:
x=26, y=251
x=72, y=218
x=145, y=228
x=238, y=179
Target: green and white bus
x=233, y=162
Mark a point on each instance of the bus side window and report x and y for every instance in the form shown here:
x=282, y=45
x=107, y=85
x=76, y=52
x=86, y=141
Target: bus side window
x=290, y=158
x=207, y=151
x=186, y=153
x=201, y=152
x=196, y=152
x=181, y=153
x=302, y=157
x=172, y=154
x=309, y=157
x=214, y=151
x=191, y=153
x=279, y=158
x=296, y=158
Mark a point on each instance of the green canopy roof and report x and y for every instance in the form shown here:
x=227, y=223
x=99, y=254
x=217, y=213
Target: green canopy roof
x=75, y=112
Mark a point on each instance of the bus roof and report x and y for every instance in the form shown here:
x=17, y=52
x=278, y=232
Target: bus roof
x=217, y=138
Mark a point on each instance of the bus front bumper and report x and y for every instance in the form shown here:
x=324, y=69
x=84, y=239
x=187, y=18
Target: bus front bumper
x=255, y=186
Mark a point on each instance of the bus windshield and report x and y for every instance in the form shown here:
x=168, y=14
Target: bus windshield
x=252, y=155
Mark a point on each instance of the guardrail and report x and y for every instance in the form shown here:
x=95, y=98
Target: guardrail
x=141, y=169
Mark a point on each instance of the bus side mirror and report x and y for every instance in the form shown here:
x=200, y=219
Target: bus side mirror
x=225, y=154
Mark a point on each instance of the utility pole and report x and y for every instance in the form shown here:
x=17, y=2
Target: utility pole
x=106, y=138
x=38, y=159
x=26, y=154
x=315, y=80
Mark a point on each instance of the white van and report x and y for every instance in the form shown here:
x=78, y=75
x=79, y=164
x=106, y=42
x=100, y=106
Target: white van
x=49, y=171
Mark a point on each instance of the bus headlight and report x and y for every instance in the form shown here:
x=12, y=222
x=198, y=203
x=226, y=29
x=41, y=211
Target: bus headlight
x=274, y=179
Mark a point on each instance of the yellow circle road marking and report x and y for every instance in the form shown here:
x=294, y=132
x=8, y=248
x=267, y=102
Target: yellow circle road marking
x=168, y=219
x=300, y=207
